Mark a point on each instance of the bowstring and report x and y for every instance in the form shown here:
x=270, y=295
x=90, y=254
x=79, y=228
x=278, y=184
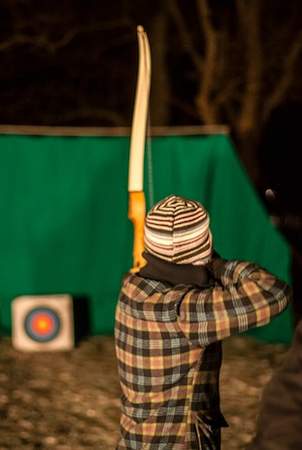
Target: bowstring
x=150, y=183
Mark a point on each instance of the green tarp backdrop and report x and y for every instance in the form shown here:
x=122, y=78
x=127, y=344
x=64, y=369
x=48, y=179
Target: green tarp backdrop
x=63, y=216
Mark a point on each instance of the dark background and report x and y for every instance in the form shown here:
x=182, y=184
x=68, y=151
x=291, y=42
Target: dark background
x=237, y=62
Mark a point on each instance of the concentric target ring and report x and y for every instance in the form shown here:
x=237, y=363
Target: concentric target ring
x=42, y=324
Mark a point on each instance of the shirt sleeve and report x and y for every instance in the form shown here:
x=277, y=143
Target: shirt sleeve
x=244, y=296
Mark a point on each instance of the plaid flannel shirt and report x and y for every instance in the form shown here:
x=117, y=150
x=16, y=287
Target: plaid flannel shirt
x=168, y=345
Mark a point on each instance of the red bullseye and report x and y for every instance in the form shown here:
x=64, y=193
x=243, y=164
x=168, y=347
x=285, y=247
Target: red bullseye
x=42, y=324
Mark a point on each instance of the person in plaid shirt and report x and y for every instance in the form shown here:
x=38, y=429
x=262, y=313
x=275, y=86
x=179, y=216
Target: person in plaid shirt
x=170, y=320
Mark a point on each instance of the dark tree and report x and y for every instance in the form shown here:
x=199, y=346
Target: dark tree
x=232, y=62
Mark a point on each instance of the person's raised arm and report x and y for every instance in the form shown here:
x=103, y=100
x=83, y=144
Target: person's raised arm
x=244, y=296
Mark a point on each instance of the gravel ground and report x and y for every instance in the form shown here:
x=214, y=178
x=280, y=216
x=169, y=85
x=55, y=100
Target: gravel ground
x=70, y=401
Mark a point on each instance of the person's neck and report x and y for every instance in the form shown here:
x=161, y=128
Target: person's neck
x=161, y=270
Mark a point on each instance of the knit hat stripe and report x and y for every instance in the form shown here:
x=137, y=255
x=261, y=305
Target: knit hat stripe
x=201, y=248
x=160, y=240
x=196, y=256
x=177, y=230
x=202, y=245
x=185, y=223
x=182, y=254
x=186, y=234
x=194, y=239
x=201, y=227
x=194, y=252
x=176, y=219
x=176, y=215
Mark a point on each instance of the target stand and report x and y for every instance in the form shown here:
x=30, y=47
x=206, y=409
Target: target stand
x=43, y=323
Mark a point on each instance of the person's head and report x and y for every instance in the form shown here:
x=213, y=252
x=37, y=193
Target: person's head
x=177, y=230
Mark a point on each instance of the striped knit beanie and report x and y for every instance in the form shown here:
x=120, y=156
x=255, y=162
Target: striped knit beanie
x=177, y=230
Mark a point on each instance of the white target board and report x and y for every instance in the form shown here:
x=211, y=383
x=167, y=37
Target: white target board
x=43, y=322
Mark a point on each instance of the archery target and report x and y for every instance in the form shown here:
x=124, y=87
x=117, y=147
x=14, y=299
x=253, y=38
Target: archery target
x=42, y=323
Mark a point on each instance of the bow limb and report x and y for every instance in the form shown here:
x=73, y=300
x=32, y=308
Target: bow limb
x=137, y=203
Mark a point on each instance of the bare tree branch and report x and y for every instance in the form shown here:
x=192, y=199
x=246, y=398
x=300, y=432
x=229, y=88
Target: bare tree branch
x=185, y=35
x=44, y=40
x=204, y=102
x=249, y=18
x=286, y=78
x=185, y=107
x=228, y=92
